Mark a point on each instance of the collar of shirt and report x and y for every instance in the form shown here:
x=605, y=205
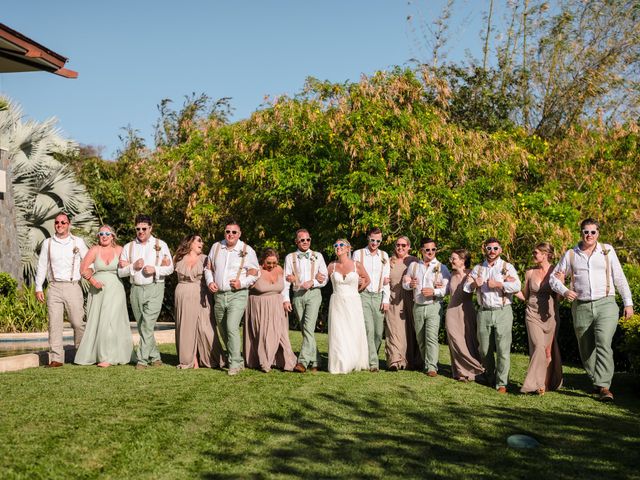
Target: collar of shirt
x=496, y=264
x=63, y=241
x=237, y=247
x=598, y=249
x=151, y=241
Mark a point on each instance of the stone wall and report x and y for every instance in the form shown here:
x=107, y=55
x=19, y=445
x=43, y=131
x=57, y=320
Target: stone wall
x=9, y=250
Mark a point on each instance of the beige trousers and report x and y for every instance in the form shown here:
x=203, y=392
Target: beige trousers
x=63, y=296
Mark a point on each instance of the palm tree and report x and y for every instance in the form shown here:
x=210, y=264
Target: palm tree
x=42, y=186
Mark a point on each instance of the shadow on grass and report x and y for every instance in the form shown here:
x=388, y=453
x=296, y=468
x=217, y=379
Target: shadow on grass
x=336, y=437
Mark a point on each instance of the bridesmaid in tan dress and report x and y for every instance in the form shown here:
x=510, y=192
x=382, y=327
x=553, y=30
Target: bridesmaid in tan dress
x=197, y=341
x=460, y=322
x=266, y=326
x=545, y=366
x=401, y=346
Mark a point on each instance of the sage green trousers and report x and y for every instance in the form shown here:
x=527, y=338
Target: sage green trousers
x=373, y=324
x=494, y=338
x=146, y=303
x=306, y=305
x=427, y=319
x=228, y=310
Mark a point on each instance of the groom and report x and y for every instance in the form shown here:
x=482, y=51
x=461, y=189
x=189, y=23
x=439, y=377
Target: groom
x=305, y=271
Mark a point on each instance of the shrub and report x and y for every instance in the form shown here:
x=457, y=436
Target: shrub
x=22, y=312
x=8, y=285
x=631, y=340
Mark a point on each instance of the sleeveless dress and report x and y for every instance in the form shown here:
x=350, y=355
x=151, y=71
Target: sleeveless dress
x=400, y=345
x=107, y=336
x=545, y=365
x=195, y=331
x=266, y=327
x=460, y=324
x=348, y=348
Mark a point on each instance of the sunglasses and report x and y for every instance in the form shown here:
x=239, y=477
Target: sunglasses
x=141, y=229
x=374, y=240
x=338, y=245
x=589, y=232
x=231, y=232
x=495, y=249
x=429, y=249
x=104, y=234
x=402, y=245
x=60, y=222
x=304, y=240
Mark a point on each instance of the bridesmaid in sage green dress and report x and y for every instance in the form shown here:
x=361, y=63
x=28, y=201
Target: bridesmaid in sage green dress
x=107, y=340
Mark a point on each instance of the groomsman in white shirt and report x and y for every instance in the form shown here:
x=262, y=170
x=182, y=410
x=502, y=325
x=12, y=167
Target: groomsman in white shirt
x=428, y=279
x=375, y=297
x=495, y=281
x=59, y=264
x=594, y=269
x=233, y=269
x=146, y=261
x=306, y=272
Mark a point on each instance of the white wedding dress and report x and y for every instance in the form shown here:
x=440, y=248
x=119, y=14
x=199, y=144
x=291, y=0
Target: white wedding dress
x=348, y=350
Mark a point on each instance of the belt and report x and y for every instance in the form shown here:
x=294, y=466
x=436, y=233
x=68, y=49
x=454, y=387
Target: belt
x=74, y=282
x=493, y=309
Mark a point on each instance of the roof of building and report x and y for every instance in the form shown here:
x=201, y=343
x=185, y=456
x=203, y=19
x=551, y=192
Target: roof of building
x=19, y=53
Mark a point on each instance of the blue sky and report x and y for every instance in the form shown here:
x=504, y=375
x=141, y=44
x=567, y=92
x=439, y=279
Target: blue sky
x=132, y=54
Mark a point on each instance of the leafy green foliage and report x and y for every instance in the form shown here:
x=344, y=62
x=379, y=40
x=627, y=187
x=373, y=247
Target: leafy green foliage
x=21, y=312
x=8, y=285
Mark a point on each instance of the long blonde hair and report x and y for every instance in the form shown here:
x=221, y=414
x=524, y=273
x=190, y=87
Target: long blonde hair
x=114, y=237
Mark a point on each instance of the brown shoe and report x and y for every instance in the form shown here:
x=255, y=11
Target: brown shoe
x=156, y=363
x=605, y=395
x=313, y=369
x=141, y=366
x=432, y=374
x=502, y=390
x=54, y=364
x=299, y=368
x=393, y=368
x=374, y=369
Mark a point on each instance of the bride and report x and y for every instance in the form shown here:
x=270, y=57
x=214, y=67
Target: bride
x=348, y=349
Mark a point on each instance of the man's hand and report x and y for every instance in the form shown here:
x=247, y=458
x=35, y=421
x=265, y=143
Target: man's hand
x=287, y=307
x=307, y=285
x=235, y=284
x=560, y=276
x=384, y=307
x=166, y=261
x=149, y=270
x=123, y=263
x=213, y=287
x=40, y=297
x=427, y=292
x=570, y=295
x=414, y=282
x=138, y=264
x=291, y=278
x=320, y=277
x=628, y=311
x=438, y=284
x=478, y=281
x=491, y=283
x=386, y=281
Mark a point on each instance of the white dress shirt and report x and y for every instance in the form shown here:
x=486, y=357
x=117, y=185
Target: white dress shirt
x=303, y=266
x=148, y=253
x=62, y=259
x=493, y=297
x=227, y=263
x=378, y=267
x=427, y=275
x=589, y=274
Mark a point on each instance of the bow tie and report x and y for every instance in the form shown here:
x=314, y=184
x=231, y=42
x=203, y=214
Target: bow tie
x=303, y=255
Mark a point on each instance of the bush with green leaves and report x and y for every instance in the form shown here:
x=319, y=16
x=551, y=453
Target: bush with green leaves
x=22, y=312
x=8, y=285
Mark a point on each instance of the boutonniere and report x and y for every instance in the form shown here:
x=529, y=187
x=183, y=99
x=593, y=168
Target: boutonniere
x=242, y=254
x=157, y=248
x=504, y=269
x=314, y=257
x=436, y=268
x=76, y=250
x=605, y=251
x=383, y=261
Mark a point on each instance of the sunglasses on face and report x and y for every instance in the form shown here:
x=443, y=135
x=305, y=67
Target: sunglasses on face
x=338, y=245
x=104, y=234
x=589, y=232
x=304, y=240
x=60, y=222
x=429, y=249
x=401, y=245
x=231, y=232
x=141, y=229
x=271, y=264
x=495, y=249
x=375, y=240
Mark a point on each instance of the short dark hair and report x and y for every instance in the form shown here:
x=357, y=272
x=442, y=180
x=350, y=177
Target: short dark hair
x=374, y=231
x=492, y=240
x=589, y=221
x=427, y=240
x=143, y=218
x=64, y=214
x=232, y=221
x=268, y=252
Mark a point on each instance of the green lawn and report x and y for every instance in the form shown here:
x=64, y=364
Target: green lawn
x=86, y=422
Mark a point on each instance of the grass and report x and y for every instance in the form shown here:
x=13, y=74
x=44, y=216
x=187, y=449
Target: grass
x=86, y=422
